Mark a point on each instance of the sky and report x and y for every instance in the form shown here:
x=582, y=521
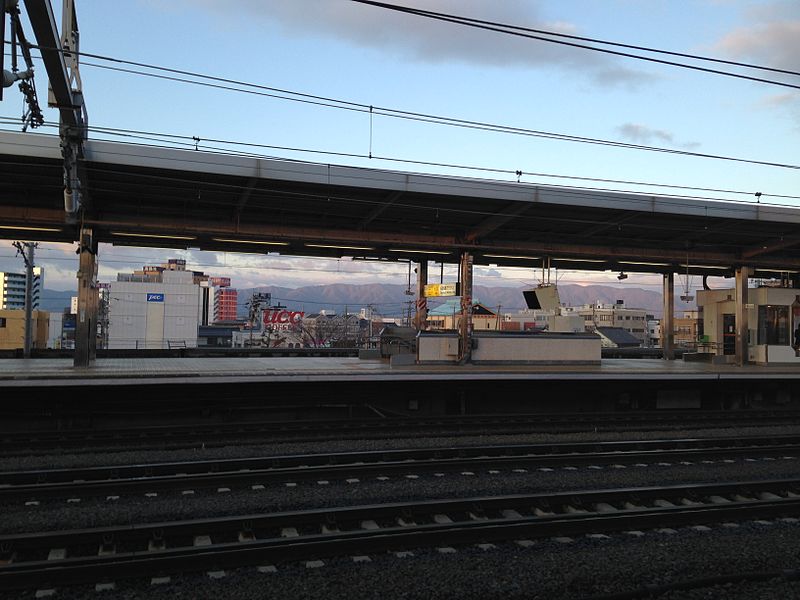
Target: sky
x=357, y=53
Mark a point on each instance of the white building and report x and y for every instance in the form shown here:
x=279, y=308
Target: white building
x=632, y=320
x=155, y=309
x=54, y=330
x=12, y=289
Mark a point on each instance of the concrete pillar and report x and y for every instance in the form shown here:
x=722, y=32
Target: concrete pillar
x=465, y=329
x=422, y=302
x=668, y=323
x=86, y=320
x=742, y=335
x=28, y=343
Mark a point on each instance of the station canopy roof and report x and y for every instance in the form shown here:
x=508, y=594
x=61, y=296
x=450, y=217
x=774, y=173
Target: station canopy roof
x=163, y=197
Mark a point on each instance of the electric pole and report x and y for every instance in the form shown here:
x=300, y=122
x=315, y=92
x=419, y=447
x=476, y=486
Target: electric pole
x=26, y=250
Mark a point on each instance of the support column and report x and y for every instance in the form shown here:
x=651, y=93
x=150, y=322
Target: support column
x=28, y=343
x=86, y=322
x=668, y=322
x=742, y=335
x=465, y=327
x=422, y=301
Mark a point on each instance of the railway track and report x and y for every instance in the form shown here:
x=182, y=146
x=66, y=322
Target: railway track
x=218, y=434
x=117, y=480
x=38, y=560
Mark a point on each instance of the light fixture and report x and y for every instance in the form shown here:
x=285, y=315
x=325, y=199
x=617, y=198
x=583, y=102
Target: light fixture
x=18, y=228
x=646, y=264
x=154, y=235
x=418, y=251
x=686, y=297
x=705, y=267
x=338, y=247
x=232, y=241
x=622, y=275
x=585, y=260
x=511, y=256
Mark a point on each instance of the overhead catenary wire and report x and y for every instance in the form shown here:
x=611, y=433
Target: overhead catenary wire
x=525, y=32
x=289, y=95
x=558, y=34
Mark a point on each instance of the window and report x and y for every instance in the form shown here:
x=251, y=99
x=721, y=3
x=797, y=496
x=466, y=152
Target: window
x=2, y=321
x=773, y=325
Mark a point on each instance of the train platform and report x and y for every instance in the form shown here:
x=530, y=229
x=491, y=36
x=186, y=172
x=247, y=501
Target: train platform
x=138, y=371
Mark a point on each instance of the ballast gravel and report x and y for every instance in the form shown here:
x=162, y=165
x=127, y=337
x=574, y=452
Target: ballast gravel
x=545, y=570
x=309, y=494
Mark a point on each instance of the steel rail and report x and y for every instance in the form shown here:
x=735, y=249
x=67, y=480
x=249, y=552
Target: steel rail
x=210, y=433
x=343, y=531
x=154, y=477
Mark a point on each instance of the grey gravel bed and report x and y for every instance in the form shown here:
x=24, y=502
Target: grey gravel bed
x=310, y=494
x=66, y=460
x=548, y=570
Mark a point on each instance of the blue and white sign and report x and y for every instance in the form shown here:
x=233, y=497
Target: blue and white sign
x=155, y=297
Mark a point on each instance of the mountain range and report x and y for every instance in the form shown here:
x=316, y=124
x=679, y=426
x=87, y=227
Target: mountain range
x=391, y=299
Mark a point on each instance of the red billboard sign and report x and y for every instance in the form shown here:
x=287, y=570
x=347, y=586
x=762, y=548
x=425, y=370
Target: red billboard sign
x=272, y=316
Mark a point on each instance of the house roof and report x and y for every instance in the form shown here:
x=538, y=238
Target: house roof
x=618, y=336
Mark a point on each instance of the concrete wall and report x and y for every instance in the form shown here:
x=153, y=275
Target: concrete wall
x=512, y=348
x=539, y=348
x=437, y=347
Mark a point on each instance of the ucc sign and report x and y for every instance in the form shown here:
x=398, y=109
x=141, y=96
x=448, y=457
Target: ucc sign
x=283, y=316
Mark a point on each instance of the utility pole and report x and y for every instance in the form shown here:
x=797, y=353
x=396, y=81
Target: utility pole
x=26, y=250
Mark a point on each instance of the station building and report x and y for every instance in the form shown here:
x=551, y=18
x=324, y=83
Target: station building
x=773, y=315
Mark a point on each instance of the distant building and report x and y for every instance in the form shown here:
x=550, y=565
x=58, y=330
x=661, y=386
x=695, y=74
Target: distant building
x=12, y=289
x=55, y=329
x=653, y=332
x=225, y=304
x=687, y=328
x=12, y=329
x=632, y=320
x=155, y=307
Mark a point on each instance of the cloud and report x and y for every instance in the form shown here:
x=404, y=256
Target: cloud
x=781, y=100
x=641, y=134
x=771, y=36
x=427, y=40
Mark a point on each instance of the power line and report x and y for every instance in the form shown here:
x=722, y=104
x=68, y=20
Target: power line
x=289, y=95
x=525, y=32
